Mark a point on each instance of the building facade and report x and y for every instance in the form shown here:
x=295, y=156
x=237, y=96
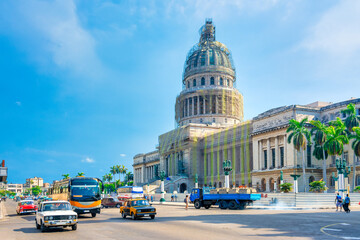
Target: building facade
x=3, y=172
x=35, y=181
x=210, y=129
x=15, y=188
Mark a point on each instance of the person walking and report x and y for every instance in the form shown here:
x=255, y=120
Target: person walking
x=187, y=200
x=346, y=203
x=338, y=202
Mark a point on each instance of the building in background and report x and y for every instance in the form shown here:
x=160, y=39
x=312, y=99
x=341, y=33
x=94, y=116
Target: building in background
x=35, y=181
x=210, y=129
x=3, y=172
x=15, y=188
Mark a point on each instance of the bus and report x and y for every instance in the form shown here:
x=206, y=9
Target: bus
x=129, y=192
x=83, y=193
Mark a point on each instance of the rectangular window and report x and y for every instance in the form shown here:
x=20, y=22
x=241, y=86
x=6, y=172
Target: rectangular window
x=213, y=104
x=195, y=105
x=190, y=106
x=265, y=159
x=186, y=107
x=201, y=103
x=273, y=157
x=308, y=155
x=207, y=104
x=282, y=156
x=211, y=56
x=346, y=157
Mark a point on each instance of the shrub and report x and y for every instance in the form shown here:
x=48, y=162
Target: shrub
x=286, y=187
x=317, y=186
x=357, y=189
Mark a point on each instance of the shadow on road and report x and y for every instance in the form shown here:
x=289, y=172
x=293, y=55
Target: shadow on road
x=34, y=230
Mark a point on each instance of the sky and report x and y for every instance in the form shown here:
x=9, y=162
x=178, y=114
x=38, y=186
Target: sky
x=86, y=85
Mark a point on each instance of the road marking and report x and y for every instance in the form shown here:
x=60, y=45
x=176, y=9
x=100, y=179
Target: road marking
x=345, y=224
x=350, y=238
x=332, y=229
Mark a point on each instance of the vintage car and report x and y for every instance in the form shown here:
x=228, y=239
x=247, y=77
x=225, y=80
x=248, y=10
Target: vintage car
x=26, y=206
x=110, y=202
x=137, y=208
x=55, y=214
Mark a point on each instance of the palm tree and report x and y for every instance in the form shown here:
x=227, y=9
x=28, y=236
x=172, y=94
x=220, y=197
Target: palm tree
x=301, y=138
x=113, y=171
x=356, y=145
x=80, y=174
x=336, y=138
x=319, y=133
x=118, y=171
x=351, y=121
x=66, y=176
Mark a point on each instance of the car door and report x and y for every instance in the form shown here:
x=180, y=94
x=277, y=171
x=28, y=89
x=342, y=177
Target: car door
x=127, y=207
x=111, y=202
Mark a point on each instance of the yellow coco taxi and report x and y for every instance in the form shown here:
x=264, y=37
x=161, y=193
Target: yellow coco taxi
x=137, y=208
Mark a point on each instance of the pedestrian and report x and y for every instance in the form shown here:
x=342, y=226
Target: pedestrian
x=338, y=202
x=172, y=197
x=346, y=203
x=187, y=200
x=152, y=198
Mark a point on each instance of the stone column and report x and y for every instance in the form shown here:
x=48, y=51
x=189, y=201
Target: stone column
x=192, y=106
x=256, y=155
x=198, y=105
x=277, y=159
x=285, y=151
x=143, y=173
x=261, y=163
x=268, y=153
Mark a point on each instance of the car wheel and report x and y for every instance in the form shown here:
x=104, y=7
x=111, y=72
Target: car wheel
x=93, y=214
x=133, y=217
x=37, y=225
x=74, y=227
x=102, y=206
x=152, y=216
x=118, y=205
x=123, y=215
x=42, y=227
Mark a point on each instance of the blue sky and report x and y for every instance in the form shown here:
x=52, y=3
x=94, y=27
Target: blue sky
x=88, y=84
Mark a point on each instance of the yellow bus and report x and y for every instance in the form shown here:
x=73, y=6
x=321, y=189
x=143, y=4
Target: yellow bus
x=83, y=193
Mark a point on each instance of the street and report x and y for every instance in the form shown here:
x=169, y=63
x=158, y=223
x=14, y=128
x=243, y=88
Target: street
x=174, y=222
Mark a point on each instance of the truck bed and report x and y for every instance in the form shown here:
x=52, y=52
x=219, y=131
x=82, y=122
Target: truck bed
x=232, y=196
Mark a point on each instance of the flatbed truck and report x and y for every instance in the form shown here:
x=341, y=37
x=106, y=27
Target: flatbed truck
x=203, y=198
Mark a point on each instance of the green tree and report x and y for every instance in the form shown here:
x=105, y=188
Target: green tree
x=118, y=171
x=113, y=172
x=336, y=138
x=351, y=121
x=36, y=190
x=66, y=176
x=317, y=186
x=319, y=132
x=301, y=137
x=80, y=174
x=286, y=187
x=356, y=145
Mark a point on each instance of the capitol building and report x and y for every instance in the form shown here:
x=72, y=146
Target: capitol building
x=211, y=129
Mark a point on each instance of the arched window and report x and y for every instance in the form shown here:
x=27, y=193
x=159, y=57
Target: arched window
x=358, y=180
x=221, y=81
x=188, y=84
x=202, y=81
x=202, y=60
x=212, y=81
x=227, y=82
x=194, y=82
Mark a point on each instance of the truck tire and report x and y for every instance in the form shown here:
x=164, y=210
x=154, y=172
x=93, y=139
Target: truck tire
x=197, y=204
x=223, y=204
x=242, y=206
x=93, y=214
x=207, y=206
x=37, y=225
x=233, y=205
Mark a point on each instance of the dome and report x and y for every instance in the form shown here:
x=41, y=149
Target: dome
x=208, y=55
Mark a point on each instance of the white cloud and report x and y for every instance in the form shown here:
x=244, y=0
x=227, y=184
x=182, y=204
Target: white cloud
x=337, y=33
x=122, y=155
x=88, y=160
x=51, y=33
x=18, y=103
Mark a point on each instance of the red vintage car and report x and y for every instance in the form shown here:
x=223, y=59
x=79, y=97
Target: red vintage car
x=26, y=206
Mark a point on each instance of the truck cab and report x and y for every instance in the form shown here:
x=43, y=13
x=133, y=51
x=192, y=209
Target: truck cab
x=195, y=194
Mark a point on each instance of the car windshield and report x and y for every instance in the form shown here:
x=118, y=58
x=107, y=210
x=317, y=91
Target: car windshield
x=27, y=203
x=140, y=203
x=56, y=206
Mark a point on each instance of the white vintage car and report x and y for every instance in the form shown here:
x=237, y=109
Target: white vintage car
x=55, y=214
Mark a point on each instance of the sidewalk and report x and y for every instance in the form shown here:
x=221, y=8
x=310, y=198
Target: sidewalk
x=181, y=204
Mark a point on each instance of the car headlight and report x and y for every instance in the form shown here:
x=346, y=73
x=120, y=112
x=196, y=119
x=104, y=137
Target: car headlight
x=51, y=218
x=69, y=217
x=46, y=218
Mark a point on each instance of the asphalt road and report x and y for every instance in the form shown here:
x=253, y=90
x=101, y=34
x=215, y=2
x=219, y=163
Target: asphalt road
x=174, y=222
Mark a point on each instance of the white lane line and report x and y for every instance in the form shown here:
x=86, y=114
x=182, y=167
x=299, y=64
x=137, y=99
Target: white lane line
x=332, y=229
x=350, y=237
x=345, y=224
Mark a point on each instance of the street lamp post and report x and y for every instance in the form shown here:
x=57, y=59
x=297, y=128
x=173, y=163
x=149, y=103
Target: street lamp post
x=162, y=177
x=227, y=169
x=343, y=173
x=196, y=181
x=295, y=176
